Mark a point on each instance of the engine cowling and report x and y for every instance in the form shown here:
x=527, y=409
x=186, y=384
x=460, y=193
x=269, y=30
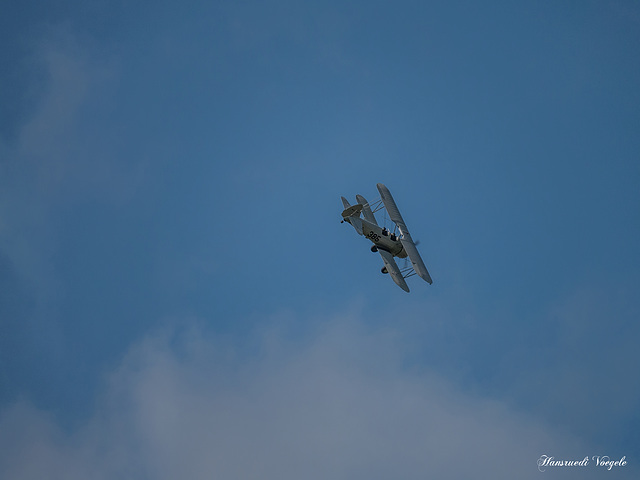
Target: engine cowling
x=384, y=270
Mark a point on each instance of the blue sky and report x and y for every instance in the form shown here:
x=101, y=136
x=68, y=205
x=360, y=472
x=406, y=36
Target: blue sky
x=171, y=253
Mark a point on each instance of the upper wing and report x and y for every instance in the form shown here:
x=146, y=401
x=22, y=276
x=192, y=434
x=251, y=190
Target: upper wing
x=407, y=242
x=392, y=208
x=393, y=269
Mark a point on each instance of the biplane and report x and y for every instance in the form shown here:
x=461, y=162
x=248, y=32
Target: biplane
x=389, y=244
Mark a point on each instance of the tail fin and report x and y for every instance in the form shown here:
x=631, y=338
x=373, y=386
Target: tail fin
x=345, y=203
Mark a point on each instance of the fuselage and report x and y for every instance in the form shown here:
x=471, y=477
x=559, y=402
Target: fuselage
x=382, y=239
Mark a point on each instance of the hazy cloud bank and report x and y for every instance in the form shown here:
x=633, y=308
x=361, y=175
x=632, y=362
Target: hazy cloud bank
x=189, y=405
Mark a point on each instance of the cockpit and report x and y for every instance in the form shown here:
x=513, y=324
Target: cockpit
x=389, y=234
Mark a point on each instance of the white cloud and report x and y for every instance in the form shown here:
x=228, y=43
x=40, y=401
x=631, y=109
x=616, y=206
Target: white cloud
x=339, y=405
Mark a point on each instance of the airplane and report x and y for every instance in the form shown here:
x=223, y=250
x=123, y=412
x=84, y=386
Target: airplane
x=386, y=243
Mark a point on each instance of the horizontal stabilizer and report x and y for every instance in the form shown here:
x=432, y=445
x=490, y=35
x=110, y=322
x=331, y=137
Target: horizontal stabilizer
x=352, y=211
x=366, y=210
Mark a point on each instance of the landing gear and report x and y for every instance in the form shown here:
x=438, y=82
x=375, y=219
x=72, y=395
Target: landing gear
x=374, y=249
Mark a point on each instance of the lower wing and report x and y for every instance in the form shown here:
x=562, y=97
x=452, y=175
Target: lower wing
x=416, y=259
x=393, y=270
